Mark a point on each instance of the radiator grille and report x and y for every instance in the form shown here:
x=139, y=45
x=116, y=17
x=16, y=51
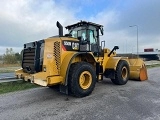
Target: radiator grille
x=33, y=56
x=57, y=57
x=28, y=59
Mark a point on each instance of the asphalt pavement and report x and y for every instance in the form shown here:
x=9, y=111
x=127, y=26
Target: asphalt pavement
x=8, y=77
x=133, y=101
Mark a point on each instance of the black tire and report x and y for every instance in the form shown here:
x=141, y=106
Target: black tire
x=121, y=73
x=81, y=79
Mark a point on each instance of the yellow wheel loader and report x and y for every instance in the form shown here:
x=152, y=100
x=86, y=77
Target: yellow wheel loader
x=76, y=61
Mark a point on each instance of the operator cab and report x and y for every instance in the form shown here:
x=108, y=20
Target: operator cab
x=88, y=35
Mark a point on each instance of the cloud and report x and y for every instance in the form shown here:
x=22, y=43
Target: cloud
x=23, y=21
x=116, y=21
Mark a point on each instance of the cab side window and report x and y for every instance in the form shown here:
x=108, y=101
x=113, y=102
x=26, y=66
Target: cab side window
x=82, y=34
x=91, y=37
x=74, y=34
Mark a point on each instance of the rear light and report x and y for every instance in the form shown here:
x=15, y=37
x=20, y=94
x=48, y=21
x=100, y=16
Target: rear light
x=44, y=69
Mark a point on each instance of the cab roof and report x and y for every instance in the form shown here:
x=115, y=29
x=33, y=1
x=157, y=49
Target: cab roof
x=83, y=23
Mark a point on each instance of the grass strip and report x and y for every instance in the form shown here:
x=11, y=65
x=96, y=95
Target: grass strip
x=154, y=65
x=6, y=71
x=15, y=86
x=10, y=65
x=5, y=68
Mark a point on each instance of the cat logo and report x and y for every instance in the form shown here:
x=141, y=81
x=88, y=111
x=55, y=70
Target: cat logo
x=75, y=46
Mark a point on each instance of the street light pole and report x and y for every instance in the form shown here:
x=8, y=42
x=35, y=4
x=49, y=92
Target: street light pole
x=137, y=38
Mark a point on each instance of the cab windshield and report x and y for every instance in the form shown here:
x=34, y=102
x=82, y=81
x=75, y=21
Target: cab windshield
x=89, y=34
x=75, y=32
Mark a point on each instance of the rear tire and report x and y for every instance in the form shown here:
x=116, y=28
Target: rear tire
x=81, y=79
x=121, y=73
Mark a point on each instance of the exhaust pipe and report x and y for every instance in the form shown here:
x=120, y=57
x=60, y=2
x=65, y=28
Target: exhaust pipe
x=60, y=29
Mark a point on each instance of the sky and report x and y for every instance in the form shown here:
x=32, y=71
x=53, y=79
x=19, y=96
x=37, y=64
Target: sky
x=23, y=21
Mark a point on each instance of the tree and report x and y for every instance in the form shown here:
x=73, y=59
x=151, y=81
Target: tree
x=9, y=57
x=18, y=56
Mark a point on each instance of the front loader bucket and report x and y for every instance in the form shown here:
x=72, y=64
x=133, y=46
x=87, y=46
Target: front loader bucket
x=138, y=70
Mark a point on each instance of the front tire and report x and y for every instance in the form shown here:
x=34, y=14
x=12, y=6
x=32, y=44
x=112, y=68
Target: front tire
x=81, y=79
x=121, y=73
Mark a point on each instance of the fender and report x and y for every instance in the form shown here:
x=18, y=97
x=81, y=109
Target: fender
x=66, y=63
x=112, y=63
x=110, y=67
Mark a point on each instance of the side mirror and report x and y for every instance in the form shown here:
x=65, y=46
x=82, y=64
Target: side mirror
x=101, y=29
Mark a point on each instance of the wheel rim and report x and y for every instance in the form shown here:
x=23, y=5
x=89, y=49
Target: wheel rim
x=85, y=80
x=124, y=72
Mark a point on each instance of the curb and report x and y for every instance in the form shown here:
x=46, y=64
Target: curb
x=8, y=78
